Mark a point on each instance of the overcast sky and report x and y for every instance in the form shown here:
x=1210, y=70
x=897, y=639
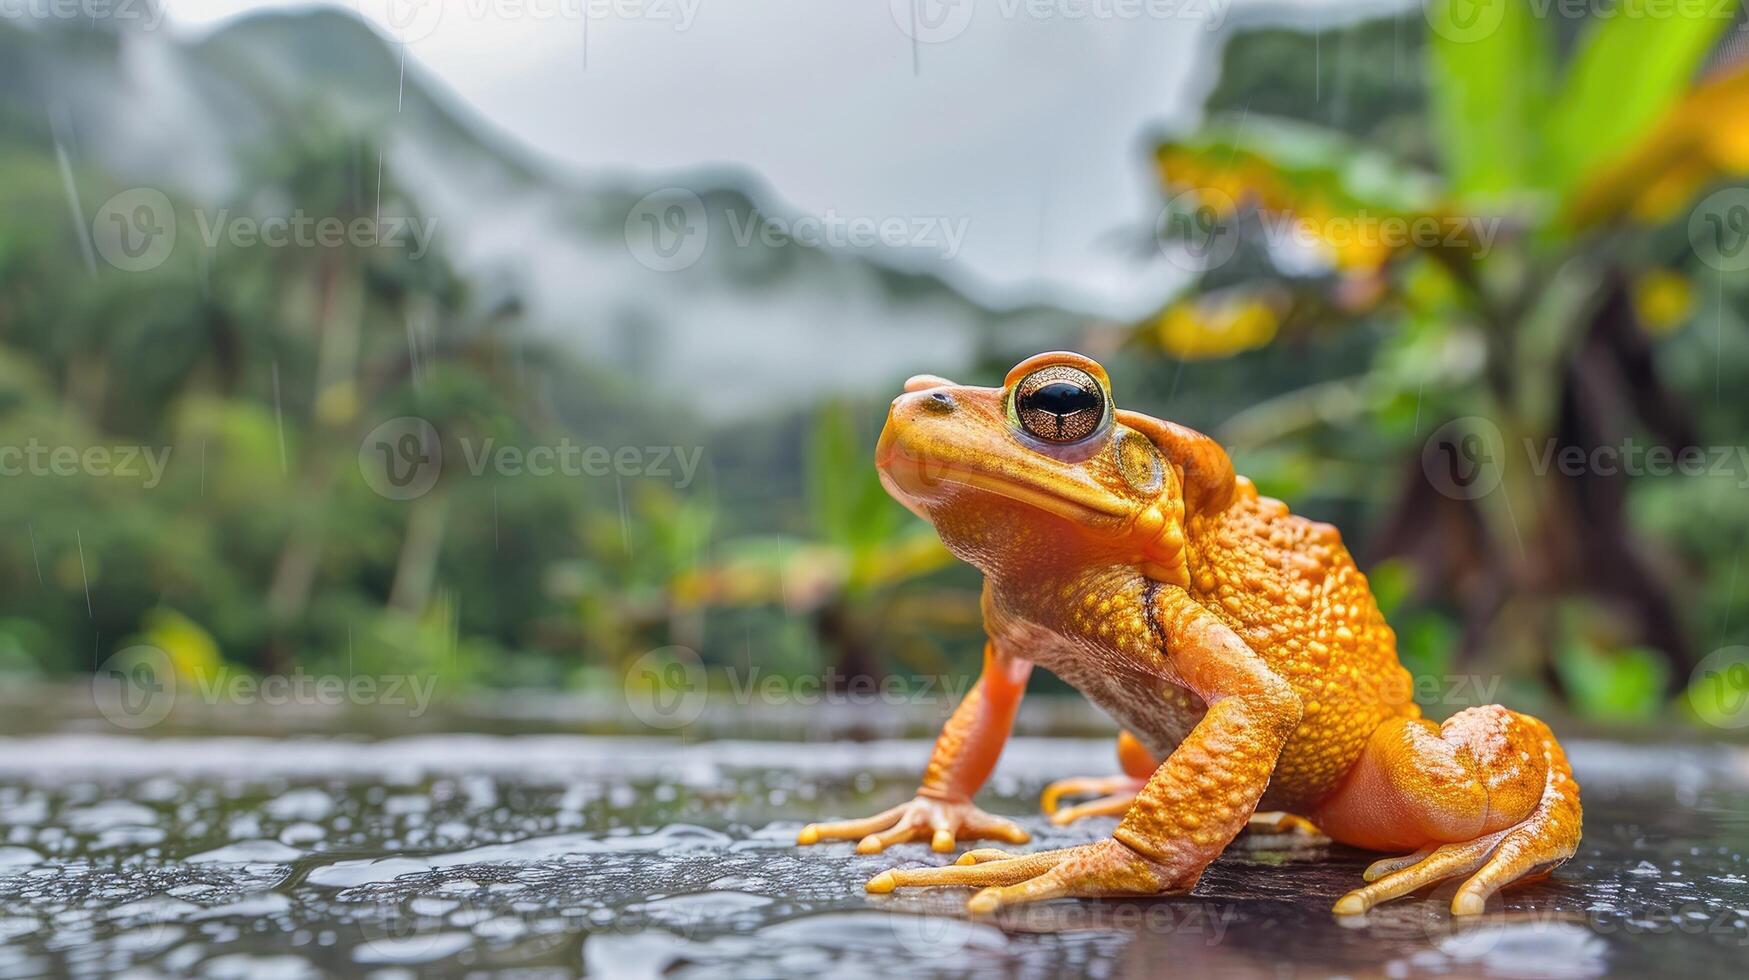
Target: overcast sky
x=1014, y=116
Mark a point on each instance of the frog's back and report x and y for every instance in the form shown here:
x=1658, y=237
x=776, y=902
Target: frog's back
x=1289, y=588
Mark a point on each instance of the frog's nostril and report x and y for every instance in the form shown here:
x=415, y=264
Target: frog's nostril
x=939, y=402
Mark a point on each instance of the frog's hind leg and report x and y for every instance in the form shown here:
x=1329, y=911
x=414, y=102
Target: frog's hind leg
x=1114, y=793
x=1488, y=794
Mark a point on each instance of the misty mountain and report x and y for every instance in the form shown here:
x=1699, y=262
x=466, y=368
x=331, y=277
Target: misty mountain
x=759, y=310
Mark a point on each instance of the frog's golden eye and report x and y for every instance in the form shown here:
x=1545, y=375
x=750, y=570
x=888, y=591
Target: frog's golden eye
x=1059, y=404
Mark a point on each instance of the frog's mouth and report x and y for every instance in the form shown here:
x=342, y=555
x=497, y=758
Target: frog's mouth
x=921, y=469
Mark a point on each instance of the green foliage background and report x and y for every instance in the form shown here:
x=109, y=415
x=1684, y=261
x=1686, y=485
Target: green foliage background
x=261, y=370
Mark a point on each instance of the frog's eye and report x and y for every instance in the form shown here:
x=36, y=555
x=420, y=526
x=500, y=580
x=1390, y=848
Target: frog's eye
x=1059, y=404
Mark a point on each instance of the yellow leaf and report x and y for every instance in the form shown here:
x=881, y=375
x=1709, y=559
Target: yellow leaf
x=192, y=651
x=1663, y=299
x=1217, y=326
x=1704, y=138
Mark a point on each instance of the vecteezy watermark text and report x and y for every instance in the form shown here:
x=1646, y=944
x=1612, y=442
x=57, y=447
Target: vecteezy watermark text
x=1466, y=458
x=668, y=688
x=566, y=458
x=1466, y=21
x=667, y=230
x=301, y=230
x=1201, y=228
x=145, y=13
x=35, y=458
x=830, y=229
x=408, y=21
x=136, y=230
x=138, y=687
x=401, y=459
x=1634, y=459
x=940, y=21
x=411, y=691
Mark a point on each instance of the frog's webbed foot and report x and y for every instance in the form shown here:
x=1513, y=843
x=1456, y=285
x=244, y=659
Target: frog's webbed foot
x=1102, y=870
x=1417, y=783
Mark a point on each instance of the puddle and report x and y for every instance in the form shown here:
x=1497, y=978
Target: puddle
x=563, y=855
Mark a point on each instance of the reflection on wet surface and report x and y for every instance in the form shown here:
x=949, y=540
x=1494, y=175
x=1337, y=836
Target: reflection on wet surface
x=639, y=857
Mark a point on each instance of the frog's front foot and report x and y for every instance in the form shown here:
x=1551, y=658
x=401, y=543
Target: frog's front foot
x=1106, y=869
x=1114, y=794
x=941, y=822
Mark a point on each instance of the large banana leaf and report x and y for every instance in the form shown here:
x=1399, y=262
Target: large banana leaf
x=1705, y=137
x=1490, y=61
x=1629, y=70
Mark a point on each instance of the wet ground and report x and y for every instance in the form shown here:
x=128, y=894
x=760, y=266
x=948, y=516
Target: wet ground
x=563, y=855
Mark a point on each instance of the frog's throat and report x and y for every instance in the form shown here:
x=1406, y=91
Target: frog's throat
x=1156, y=531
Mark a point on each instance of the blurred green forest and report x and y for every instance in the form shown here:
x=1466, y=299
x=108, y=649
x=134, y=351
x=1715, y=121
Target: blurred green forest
x=1592, y=314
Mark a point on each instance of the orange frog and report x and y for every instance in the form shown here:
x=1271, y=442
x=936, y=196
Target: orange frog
x=1233, y=640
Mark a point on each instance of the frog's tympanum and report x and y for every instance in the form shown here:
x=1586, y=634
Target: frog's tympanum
x=1236, y=643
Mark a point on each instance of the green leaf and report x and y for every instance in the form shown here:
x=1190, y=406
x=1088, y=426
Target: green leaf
x=1630, y=68
x=1490, y=64
x=1291, y=164
x=850, y=507
x=1612, y=685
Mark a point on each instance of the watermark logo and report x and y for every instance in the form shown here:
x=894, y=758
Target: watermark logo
x=135, y=688
x=410, y=691
x=1718, y=229
x=1718, y=690
x=1465, y=458
x=1198, y=230
x=1465, y=21
x=666, y=230
x=665, y=688
x=935, y=936
x=303, y=230
x=406, y=21
x=135, y=231
x=402, y=458
x=932, y=21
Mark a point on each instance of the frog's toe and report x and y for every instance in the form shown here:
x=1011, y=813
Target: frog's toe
x=1278, y=822
x=1115, y=794
x=1115, y=805
x=1524, y=852
x=1103, y=869
x=1416, y=871
x=978, y=855
x=1002, y=869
